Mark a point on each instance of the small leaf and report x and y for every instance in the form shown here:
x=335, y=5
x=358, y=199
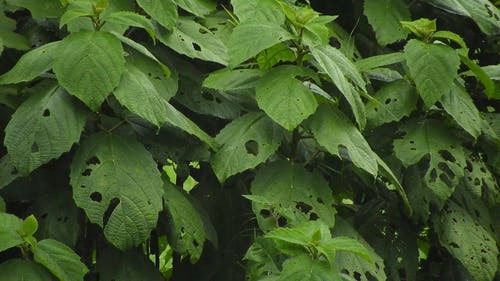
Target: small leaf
x=71, y=15
x=276, y=54
x=228, y=80
x=162, y=11
x=444, y=34
x=385, y=16
x=422, y=28
x=379, y=60
x=60, y=260
x=9, y=235
x=304, y=268
x=197, y=7
x=260, y=11
x=22, y=270
x=30, y=226
x=40, y=9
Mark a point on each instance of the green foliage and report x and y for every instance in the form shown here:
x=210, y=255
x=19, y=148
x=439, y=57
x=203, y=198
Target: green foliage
x=266, y=140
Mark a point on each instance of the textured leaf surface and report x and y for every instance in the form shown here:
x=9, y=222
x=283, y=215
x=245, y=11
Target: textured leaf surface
x=31, y=64
x=245, y=143
x=304, y=268
x=43, y=127
x=40, y=9
x=394, y=101
x=249, y=39
x=23, y=270
x=284, y=98
x=467, y=241
x=333, y=130
x=197, y=7
x=433, y=67
x=8, y=171
x=268, y=11
x=293, y=192
x=341, y=70
x=233, y=80
x=116, y=182
x=446, y=156
x=385, y=16
x=89, y=65
x=162, y=11
x=137, y=92
x=9, y=236
x=60, y=260
x=130, y=19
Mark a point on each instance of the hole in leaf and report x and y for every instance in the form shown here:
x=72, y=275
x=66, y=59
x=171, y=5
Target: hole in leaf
x=433, y=175
x=447, y=155
x=265, y=213
x=196, y=47
x=14, y=172
x=202, y=31
x=46, y=113
x=252, y=147
x=303, y=207
x=313, y=217
x=282, y=221
x=320, y=201
x=217, y=100
x=44, y=215
x=35, y=148
x=96, y=196
x=357, y=275
x=454, y=245
x=112, y=205
x=195, y=243
x=388, y=101
x=87, y=172
x=93, y=161
x=207, y=96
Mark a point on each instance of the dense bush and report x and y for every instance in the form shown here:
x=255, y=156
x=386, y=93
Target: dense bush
x=260, y=139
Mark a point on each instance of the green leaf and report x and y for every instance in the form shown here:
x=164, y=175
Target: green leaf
x=195, y=41
x=284, y=98
x=275, y=55
x=249, y=39
x=392, y=102
x=31, y=64
x=138, y=94
x=452, y=36
x=45, y=126
x=467, y=241
x=259, y=11
x=432, y=139
x=245, y=143
x=71, y=15
x=304, y=268
x=29, y=227
x=115, y=179
x=187, y=229
x=197, y=7
x=60, y=260
x=379, y=60
x=490, y=89
x=3, y=206
x=14, y=40
x=293, y=193
x=228, y=80
x=131, y=19
x=433, y=67
x=22, y=270
x=422, y=28
x=162, y=11
x=263, y=256
x=40, y=9
x=347, y=244
x=89, y=65
x=9, y=235
x=483, y=12
x=345, y=76
x=460, y=106
x=290, y=235
x=385, y=16
x=334, y=131
x=8, y=171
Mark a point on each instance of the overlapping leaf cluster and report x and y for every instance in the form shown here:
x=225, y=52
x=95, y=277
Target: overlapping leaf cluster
x=139, y=136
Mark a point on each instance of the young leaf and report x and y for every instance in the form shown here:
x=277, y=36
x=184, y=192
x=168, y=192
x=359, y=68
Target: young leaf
x=333, y=130
x=20, y=270
x=433, y=67
x=228, y=80
x=379, y=60
x=284, y=98
x=162, y=11
x=71, y=15
x=30, y=226
x=60, y=260
x=244, y=143
x=275, y=55
x=131, y=19
x=197, y=7
x=89, y=65
x=422, y=28
x=32, y=64
x=347, y=244
x=249, y=39
x=260, y=11
x=112, y=188
x=45, y=126
x=304, y=268
x=385, y=16
x=9, y=231
x=289, y=235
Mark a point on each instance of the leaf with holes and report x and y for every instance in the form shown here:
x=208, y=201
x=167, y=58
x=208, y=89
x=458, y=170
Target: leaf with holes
x=293, y=193
x=394, y=101
x=267, y=11
x=45, y=126
x=162, y=11
x=284, y=98
x=22, y=270
x=195, y=41
x=60, y=260
x=445, y=155
x=467, y=241
x=385, y=16
x=187, y=230
x=245, y=143
x=31, y=64
x=116, y=182
x=481, y=181
x=433, y=67
x=334, y=131
x=89, y=65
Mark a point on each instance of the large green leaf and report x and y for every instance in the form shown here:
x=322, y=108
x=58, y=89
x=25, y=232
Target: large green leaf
x=483, y=12
x=9, y=227
x=60, y=260
x=304, y=268
x=345, y=76
x=433, y=67
x=228, y=80
x=31, y=64
x=22, y=270
x=162, y=11
x=385, y=16
x=393, y=102
x=43, y=127
x=293, y=193
x=245, y=143
x=284, y=98
x=40, y=9
x=197, y=7
x=187, y=229
x=334, y=131
x=89, y=65
x=432, y=139
x=137, y=92
x=117, y=183
x=249, y=39
x=263, y=11
x=467, y=241
x=195, y=41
